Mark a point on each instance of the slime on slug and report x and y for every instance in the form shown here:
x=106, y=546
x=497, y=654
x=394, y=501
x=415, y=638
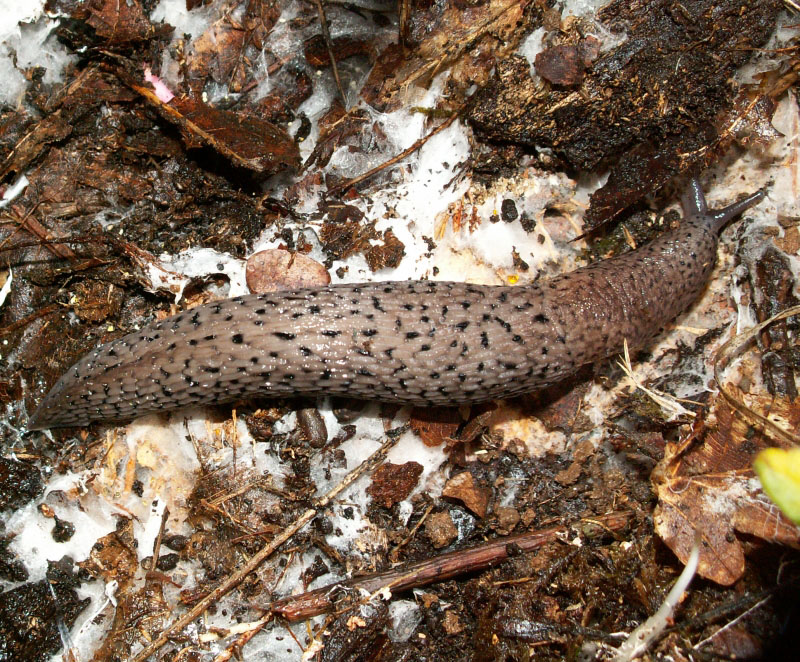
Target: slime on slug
x=417, y=342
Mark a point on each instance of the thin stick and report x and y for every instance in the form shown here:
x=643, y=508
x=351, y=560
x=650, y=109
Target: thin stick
x=159, y=537
x=393, y=554
x=439, y=568
x=395, y=159
x=731, y=623
x=28, y=222
x=49, y=309
x=326, y=36
x=256, y=560
x=732, y=349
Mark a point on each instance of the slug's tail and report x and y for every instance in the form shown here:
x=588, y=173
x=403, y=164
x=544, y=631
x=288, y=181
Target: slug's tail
x=694, y=206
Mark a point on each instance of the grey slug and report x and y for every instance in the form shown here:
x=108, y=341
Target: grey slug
x=418, y=342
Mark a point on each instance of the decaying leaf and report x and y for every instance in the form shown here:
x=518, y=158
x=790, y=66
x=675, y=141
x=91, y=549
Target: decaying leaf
x=248, y=142
x=122, y=22
x=710, y=488
x=435, y=425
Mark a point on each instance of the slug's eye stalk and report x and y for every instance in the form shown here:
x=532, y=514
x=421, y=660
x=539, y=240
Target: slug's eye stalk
x=694, y=206
x=719, y=219
x=693, y=200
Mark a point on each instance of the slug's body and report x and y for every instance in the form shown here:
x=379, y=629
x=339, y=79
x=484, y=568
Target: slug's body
x=420, y=342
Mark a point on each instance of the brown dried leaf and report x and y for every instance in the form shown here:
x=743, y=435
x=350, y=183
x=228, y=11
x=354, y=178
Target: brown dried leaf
x=451, y=624
x=562, y=64
x=121, y=22
x=386, y=256
x=247, y=141
x=749, y=121
x=140, y=614
x=435, y=425
x=711, y=489
x=50, y=129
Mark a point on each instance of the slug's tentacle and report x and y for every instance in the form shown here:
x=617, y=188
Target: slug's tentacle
x=693, y=201
x=418, y=342
x=694, y=205
x=719, y=219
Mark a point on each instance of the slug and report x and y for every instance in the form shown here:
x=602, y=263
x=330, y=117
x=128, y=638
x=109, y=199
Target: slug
x=418, y=342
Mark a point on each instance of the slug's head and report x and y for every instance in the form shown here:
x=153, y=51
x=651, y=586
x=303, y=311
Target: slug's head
x=695, y=208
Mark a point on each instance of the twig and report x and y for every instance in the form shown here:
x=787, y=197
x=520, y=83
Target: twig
x=159, y=537
x=257, y=559
x=411, y=534
x=27, y=221
x=405, y=18
x=731, y=623
x=342, y=186
x=732, y=349
x=727, y=608
x=445, y=566
x=42, y=312
x=326, y=36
